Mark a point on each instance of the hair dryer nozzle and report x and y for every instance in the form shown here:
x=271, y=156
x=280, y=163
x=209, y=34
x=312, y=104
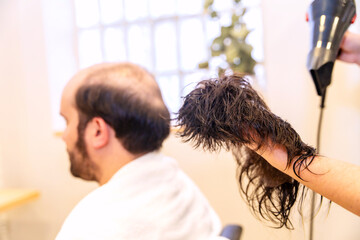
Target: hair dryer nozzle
x=328, y=20
x=322, y=77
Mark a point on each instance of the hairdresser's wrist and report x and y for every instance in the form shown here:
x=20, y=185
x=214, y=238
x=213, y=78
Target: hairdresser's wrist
x=277, y=156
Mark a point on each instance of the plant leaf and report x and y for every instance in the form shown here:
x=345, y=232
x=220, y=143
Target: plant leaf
x=240, y=32
x=214, y=14
x=225, y=31
x=231, y=52
x=245, y=49
x=208, y=3
x=204, y=65
x=217, y=47
x=243, y=11
x=235, y=19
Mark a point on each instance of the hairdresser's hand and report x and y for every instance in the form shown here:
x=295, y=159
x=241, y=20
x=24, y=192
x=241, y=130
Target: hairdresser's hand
x=333, y=179
x=350, y=48
x=276, y=155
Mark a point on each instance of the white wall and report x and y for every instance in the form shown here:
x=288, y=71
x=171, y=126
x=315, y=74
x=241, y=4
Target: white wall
x=1, y=168
x=33, y=157
x=291, y=94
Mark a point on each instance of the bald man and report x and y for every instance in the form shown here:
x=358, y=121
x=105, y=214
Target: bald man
x=116, y=123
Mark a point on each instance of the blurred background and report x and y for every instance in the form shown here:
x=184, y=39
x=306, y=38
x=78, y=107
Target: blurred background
x=44, y=42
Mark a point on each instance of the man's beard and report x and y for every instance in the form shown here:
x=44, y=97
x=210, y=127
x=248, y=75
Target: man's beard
x=82, y=165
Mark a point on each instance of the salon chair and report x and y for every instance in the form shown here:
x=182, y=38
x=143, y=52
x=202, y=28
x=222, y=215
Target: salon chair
x=231, y=231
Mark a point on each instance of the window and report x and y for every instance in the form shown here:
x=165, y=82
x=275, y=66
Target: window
x=167, y=37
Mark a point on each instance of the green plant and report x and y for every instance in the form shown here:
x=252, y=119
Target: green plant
x=231, y=45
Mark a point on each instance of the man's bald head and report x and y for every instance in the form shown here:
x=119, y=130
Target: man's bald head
x=123, y=75
x=128, y=98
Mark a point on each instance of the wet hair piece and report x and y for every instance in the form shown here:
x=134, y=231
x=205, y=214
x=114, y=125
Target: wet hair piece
x=228, y=113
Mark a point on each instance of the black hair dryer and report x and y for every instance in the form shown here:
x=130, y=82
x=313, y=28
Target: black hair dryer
x=329, y=20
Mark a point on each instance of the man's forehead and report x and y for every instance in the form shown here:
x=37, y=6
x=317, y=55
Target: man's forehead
x=71, y=87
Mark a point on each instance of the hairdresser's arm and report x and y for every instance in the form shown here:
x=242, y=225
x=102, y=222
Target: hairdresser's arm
x=350, y=48
x=336, y=180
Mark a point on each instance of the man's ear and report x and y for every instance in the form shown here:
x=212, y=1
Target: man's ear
x=98, y=133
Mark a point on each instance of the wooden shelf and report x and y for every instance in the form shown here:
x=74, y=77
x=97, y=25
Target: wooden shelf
x=10, y=198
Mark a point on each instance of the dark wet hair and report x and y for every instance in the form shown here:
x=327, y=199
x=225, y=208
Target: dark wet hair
x=228, y=113
x=139, y=125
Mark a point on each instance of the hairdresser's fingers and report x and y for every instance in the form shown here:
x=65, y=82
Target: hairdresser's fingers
x=351, y=42
x=350, y=48
x=349, y=57
x=252, y=146
x=274, y=154
x=344, y=40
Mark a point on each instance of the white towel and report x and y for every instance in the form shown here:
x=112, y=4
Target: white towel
x=149, y=198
